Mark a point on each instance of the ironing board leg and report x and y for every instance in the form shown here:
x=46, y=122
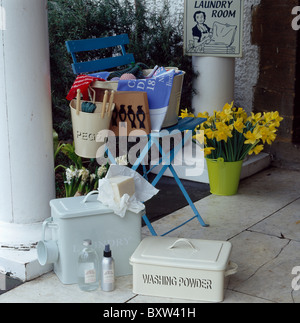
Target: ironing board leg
x=110, y=156
x=183, y=190
x=145, y=174
x=149, y=225
x=159, y=175
x=143, y=153
x=145, y=218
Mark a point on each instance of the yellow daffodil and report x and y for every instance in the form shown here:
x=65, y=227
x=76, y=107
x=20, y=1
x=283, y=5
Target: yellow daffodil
x=228, y=106
x=254, y=118
x=208, y=151
x=257, y=149
x=202, y=126
x=185, y=113
x=272, y=127
x=203, y=115
x=216, y=116
x=199, y=136
x=271, y=138
x=227, y=113
x=267, y=134
x=231, y=134
x=239, y=125
x=267, y=116
x=209, y=133
x=273, y=117
x=241, y=113
x=223, y=131
x=252, y=136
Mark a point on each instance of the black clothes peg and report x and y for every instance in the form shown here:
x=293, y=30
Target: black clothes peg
x=122, y=114
x=131, y=116
x=141, y=116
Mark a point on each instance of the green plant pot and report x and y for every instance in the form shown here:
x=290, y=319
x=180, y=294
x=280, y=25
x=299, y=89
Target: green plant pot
x=224, y=177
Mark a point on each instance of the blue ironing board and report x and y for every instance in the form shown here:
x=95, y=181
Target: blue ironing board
x=166, y=160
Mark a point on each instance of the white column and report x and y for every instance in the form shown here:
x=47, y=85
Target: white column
x=26, y=150
x=214, y=84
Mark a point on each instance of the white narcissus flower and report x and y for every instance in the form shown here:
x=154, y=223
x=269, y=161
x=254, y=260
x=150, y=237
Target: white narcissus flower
x=71, y=173
x=84, y=173
x=122, y=160
x=101, y=171
x=92, y=177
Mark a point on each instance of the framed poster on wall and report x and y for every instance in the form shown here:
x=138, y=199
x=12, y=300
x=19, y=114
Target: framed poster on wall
x=213, y=28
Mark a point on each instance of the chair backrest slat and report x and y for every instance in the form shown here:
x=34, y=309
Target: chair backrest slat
x=84, y=45
x=102, y=64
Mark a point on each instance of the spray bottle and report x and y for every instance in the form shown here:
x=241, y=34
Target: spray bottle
x=108, y=271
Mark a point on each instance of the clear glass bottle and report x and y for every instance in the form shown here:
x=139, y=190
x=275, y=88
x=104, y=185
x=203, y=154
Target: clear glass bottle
x=88, y=268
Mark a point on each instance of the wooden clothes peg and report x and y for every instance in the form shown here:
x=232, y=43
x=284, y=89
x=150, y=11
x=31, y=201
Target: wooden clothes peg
x=111, y=100
x=104, y=103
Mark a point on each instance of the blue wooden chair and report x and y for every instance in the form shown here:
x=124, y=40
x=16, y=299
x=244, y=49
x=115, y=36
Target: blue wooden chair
x=85, y=45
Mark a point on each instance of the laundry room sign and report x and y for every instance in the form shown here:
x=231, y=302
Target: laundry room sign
x=213, y=28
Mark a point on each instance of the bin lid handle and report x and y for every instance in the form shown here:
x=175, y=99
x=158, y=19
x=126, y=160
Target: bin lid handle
x=184, y=241
x=88, y=195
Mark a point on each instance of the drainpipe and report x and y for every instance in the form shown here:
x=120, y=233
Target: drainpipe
x=214, y=84
x=26, y=154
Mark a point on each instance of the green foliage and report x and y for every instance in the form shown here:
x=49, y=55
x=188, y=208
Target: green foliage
x=69, y=150
x=156, y=38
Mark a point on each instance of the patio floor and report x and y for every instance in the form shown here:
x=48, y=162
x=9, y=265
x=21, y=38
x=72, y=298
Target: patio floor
x=263, y=224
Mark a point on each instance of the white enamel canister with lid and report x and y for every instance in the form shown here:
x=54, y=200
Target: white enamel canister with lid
x=180, y=268
x=77, y=218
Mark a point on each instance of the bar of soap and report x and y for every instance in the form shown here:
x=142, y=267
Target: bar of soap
x=122, y=185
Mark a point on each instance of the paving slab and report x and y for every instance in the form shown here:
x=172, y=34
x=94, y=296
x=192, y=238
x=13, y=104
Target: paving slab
x=49, y=289
x=273, y=280
x=230, y=297
x=285, y=223
x=251, y=251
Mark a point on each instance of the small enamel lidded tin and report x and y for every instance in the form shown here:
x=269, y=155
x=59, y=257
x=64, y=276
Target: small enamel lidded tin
x=180, y=268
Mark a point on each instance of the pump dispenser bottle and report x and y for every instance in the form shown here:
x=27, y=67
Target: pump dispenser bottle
x=108, y=271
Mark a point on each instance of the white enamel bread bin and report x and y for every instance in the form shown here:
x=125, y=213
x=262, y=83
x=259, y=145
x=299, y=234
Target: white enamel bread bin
x=77, y=218
x=180, y=268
